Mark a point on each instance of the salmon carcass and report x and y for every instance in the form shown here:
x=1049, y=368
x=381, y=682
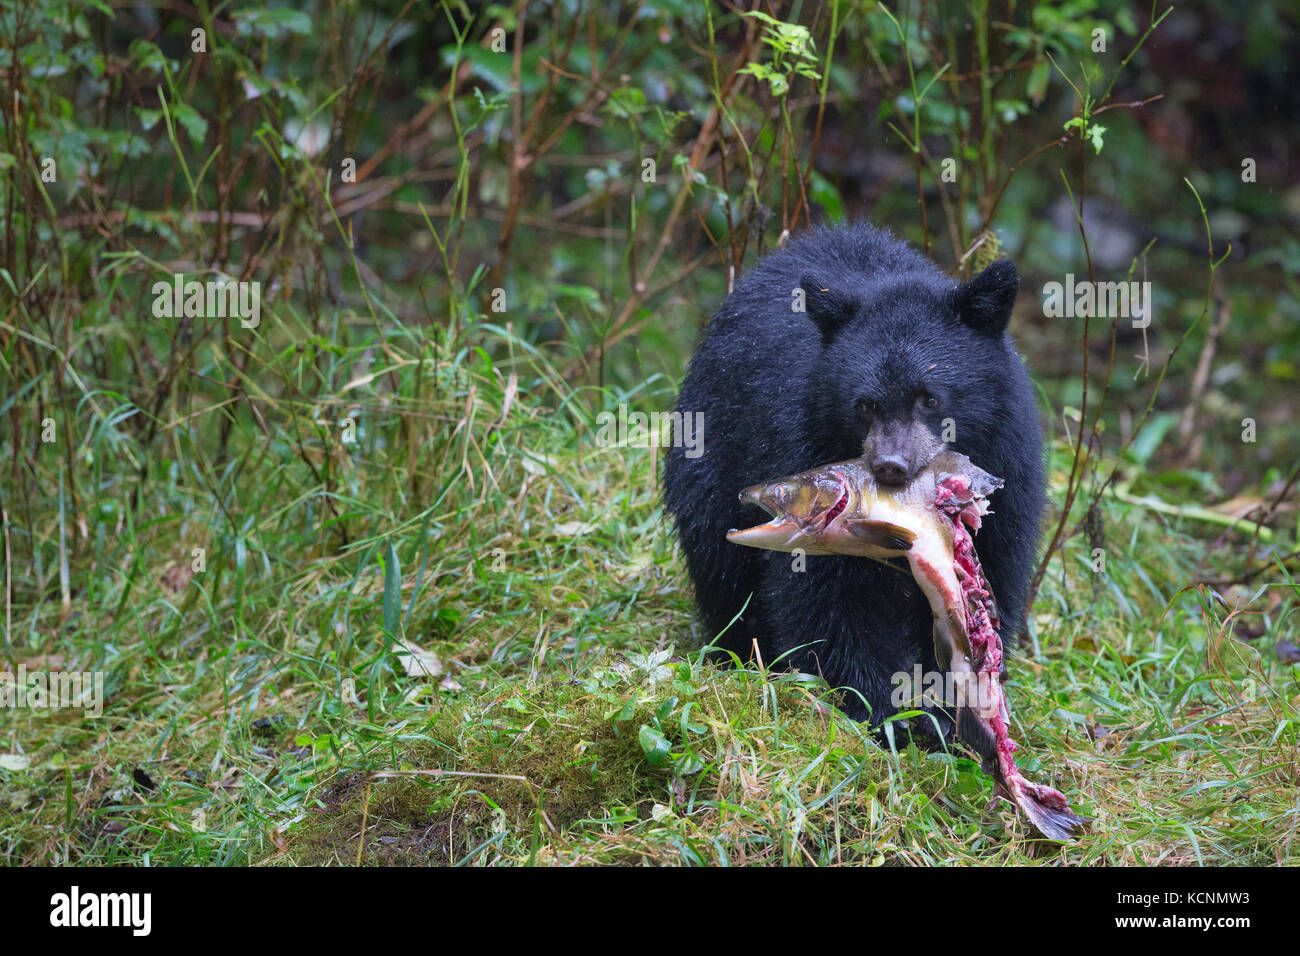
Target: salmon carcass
x=931, y=521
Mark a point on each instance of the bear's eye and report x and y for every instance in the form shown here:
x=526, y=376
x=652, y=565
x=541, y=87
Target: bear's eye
x=929, y=400
x=865, y=407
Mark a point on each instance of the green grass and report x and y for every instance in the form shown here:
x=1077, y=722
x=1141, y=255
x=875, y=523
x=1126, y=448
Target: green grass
x=260, y=711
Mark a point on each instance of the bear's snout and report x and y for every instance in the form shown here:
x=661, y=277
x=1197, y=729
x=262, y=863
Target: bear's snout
x=889, y=470
x=898, y=450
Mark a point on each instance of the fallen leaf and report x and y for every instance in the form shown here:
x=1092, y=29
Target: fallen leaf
x=417, y=662
x=573, y=529
x=176, y=577
x=1240, y=507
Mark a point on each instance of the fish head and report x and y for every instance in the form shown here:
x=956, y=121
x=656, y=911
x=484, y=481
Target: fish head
x=826, y=511
x=803, y=498
x=801, y=506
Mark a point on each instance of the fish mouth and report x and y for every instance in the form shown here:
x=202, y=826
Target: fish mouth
x=791, y=526
x=776, y=535
x=775, y=498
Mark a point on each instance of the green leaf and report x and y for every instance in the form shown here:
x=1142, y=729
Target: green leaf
x=1151, y=435
x=824, y=193
x=1038, y=77
x=1094, y=134
x=1090, y=131
x=626, y=711
x=148, y=118
x=655, y=745
x=497, y=69
x=272, y=24
x=626, y=103
x=149, y=57
x=241, y=564
x=195, y=125
x=392, y=590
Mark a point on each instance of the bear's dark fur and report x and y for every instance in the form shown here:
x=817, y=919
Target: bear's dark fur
x=887, y=349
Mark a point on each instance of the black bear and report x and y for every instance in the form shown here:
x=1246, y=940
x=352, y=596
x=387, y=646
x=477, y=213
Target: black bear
x=889, y=359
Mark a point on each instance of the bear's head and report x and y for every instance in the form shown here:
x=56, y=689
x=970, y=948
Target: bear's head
x=912, y=363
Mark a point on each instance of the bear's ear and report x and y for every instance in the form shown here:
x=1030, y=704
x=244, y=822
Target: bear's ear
x=984, y=303
x=828, y=305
